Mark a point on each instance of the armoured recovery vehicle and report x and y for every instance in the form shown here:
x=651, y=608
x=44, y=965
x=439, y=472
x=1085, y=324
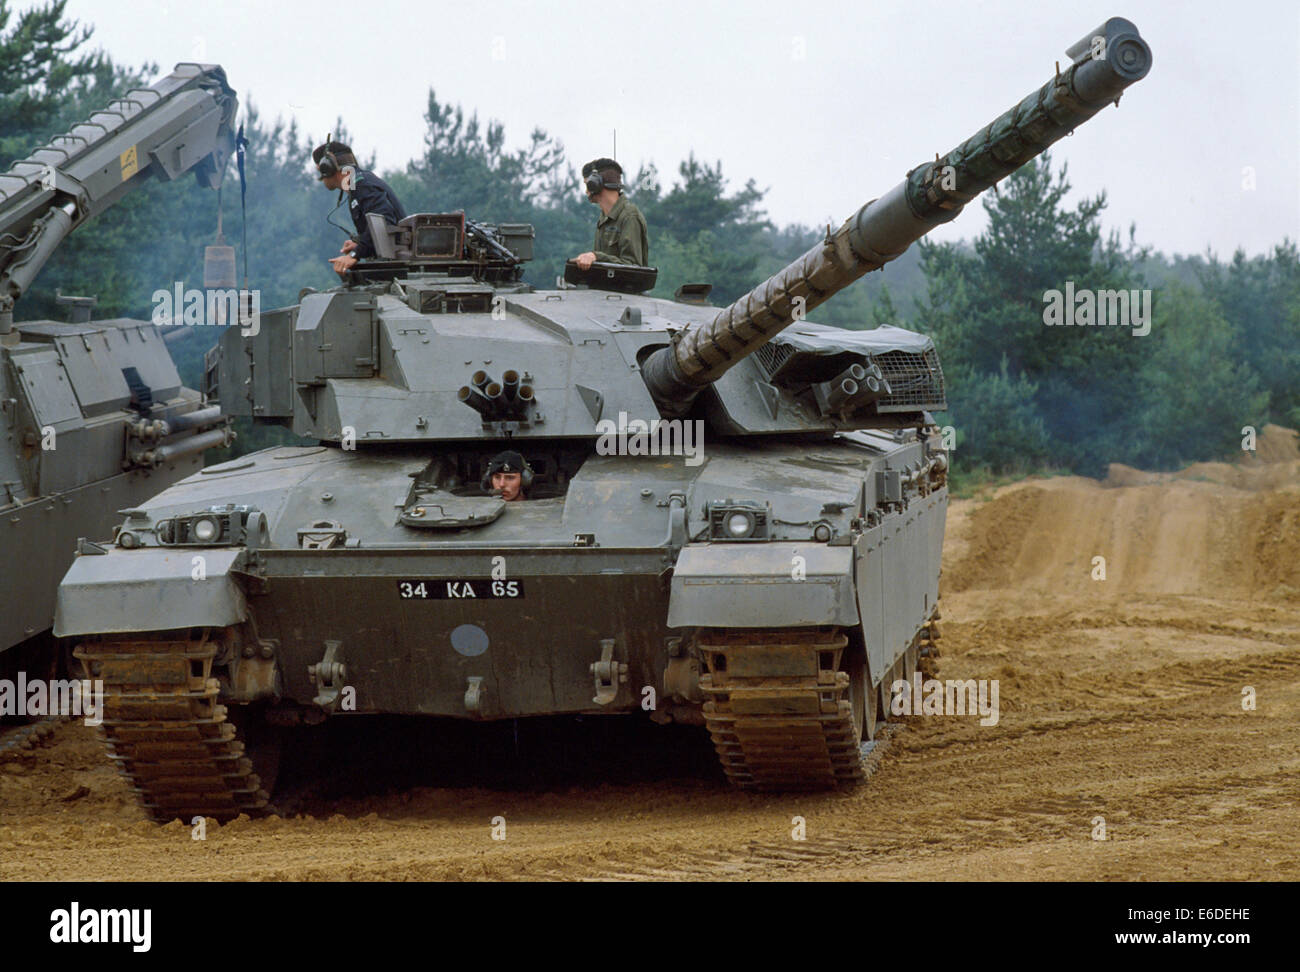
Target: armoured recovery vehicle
x=771, y=585
x=94, y=415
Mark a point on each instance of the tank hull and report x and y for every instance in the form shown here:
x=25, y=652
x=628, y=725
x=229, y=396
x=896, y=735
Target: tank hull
x=526, y=604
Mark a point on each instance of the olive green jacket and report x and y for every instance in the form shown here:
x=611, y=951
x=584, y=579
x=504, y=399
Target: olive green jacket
x=621, y=236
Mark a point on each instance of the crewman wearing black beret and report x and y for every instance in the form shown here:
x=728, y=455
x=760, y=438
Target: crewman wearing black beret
x=509, y=474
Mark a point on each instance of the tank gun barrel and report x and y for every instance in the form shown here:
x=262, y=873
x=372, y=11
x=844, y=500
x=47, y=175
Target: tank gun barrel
x=1104, y=63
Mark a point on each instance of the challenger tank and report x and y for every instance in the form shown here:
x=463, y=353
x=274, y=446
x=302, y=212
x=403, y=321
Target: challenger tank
x=734, y=517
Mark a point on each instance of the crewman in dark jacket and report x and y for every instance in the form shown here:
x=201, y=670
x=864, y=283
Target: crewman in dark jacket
x=367, y=193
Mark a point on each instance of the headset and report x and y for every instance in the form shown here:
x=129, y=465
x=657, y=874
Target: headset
x=596, y=182
x=525, y=476
x=329, y=163
x=327, y=166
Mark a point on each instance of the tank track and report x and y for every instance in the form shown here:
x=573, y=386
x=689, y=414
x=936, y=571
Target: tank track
x=165, y=730
x=778, y=708
x=19, y=743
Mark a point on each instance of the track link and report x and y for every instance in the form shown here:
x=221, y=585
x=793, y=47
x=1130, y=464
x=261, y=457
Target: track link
x=19, y=743
x=778, y=708
x=165, y=730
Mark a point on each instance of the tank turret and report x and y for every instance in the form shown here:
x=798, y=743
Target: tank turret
x=412, y=347
x=1105, y=62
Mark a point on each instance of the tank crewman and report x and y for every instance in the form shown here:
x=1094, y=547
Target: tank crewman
x=367, y=193
x=621, y=231
x=509, y=475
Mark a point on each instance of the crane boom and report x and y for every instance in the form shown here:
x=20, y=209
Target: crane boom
x=183, y=122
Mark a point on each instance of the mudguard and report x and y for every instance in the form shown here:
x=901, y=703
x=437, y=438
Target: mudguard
x=150, y=590
x=762, y=585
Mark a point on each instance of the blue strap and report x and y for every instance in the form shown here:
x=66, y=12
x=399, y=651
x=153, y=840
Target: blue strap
x=240, y=143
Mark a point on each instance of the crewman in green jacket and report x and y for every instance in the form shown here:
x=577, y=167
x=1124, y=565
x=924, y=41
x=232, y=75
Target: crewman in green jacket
x=621, y=231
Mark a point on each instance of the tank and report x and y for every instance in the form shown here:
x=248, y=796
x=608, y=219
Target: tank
x=733, y=517
x=95, y=416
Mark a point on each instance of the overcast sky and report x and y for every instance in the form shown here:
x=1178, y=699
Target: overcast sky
x=825, y=105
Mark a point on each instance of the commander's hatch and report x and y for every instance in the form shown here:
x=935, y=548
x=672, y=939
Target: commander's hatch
x=620, y=277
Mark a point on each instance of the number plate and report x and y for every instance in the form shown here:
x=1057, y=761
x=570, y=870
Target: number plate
x=457, y=588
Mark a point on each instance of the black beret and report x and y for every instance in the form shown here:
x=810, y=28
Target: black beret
x=508, y=461
x=600, y=165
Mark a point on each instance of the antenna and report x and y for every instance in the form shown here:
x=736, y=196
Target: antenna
x=616, y=143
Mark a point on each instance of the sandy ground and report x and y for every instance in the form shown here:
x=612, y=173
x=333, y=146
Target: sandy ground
x=1120, y=699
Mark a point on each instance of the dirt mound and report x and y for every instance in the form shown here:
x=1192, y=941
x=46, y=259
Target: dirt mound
x=1274, y=464
x=1276, y=444
x=1210, y=530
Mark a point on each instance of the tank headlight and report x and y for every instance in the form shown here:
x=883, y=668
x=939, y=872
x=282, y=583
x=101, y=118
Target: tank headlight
x=821, y=533
x=127, y=539
x=205, y=529
x=729, y=520
x=740, y=524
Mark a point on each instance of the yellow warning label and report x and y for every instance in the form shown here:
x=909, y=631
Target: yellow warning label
x=130, y=164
